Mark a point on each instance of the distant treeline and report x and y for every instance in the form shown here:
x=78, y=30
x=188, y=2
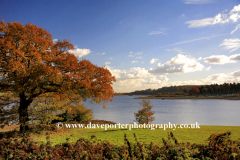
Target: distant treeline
x=226, y=88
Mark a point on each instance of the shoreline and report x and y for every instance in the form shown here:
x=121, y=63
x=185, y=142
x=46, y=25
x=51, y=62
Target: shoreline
x=172, y=98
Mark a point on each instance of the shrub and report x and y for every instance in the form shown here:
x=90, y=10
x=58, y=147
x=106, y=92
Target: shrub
x=81, y=114
x=219, y=147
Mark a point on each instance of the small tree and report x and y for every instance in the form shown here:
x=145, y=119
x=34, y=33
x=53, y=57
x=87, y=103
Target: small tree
x=145, y=115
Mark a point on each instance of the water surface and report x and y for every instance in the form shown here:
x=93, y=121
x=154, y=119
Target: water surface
x=181, y=111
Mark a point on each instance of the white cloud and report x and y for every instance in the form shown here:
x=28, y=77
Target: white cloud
x=236, y=28
x=101, y=53
x=215, y=78
x=134, y=55
x=79, y=52
x=208, y=68
x=232, y=44
x=168, y=50
x=234, y=16
x=156, y=32
x=236, y=73
x=139, y=57
x=192, y=40
x=218, y=77
x=198, y=1
x=55, y=40
x=139, y=79
x=108, y=63
x=156, y=80
x=235, y=57
x=221, y=78
x=175, y=49
x=136, y=79
x=153, y=60
x=161, y=31
x=220, y=18
x=132, y=73
x=134, y=62
x=178, y=50
x=222, y=59
x=178, y=64
x=235, y=9
x=111, y=58
x=200, y=23
x=217, y=59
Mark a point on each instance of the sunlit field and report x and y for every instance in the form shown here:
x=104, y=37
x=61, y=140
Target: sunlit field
x=116, y=136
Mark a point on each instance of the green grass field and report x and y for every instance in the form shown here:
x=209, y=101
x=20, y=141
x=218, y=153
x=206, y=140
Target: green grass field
x=116, y=136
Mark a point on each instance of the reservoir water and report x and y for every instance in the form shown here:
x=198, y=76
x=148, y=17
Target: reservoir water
x=181, y=111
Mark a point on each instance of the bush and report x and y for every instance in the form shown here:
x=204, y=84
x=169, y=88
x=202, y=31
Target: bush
x=219, y=147
x=78, y=113
x=81, y=114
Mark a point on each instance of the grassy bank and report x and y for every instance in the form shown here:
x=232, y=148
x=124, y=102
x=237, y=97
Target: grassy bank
x=82, y=144
x=116, y=136
x=191, y=97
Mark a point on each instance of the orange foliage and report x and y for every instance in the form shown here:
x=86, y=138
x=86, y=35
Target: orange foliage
x=194, y=90
x=32, y=65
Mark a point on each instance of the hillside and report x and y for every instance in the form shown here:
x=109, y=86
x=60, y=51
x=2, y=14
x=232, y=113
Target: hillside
x=171, y=89
x=225, y=88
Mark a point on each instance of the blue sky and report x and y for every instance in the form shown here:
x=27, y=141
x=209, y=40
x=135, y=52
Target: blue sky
x=145, y=44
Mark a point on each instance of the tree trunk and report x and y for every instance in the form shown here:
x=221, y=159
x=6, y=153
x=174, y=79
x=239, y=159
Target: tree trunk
x=23, y=112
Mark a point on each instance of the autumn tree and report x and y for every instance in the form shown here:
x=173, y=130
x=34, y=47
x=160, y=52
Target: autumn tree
x=194, y=90
x=144, y=115
x=31, y=65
